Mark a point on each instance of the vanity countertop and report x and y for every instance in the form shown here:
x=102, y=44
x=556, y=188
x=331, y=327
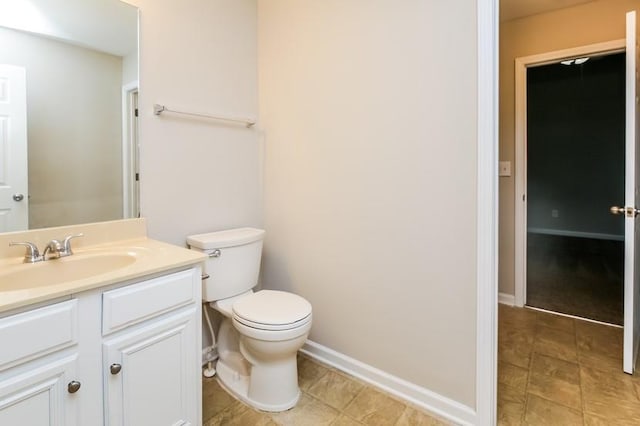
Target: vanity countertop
x=133, y=256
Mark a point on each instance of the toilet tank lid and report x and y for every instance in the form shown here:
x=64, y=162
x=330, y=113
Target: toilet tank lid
x=228, y=238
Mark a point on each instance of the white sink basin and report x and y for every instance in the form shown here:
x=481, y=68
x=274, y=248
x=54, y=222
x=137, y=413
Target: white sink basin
x=66, y=269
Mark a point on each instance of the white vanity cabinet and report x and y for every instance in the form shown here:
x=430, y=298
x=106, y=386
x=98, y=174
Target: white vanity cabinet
x=152, y=366
x=38, y=366
x=126, y=355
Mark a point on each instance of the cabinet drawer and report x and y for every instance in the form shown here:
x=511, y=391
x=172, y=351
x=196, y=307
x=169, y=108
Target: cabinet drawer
x=37, y=332
x=138, y=302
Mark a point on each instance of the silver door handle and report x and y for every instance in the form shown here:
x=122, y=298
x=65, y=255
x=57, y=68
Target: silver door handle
x=18, y=197
x=115, y=368
x=627, y=211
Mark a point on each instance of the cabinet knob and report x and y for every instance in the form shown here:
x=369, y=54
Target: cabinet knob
x=115, y=368
x=73, y=386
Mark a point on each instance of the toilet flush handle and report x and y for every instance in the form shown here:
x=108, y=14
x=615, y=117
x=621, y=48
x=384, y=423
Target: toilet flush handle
x=215, y=253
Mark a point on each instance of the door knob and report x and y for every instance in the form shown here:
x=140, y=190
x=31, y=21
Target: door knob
x=115, y=368
x=616, y=210
x=627, y=211
x=18, y=197
x=73, y=386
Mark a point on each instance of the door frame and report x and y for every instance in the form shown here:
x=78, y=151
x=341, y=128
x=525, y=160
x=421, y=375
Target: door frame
x=520, y=199
x=130, y=201
x=487, y=212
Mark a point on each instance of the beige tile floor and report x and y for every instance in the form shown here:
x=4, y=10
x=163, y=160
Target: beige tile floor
x=554, y=370
x=329, y=397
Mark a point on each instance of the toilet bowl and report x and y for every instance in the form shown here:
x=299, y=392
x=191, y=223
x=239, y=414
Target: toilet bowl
x=261, y=332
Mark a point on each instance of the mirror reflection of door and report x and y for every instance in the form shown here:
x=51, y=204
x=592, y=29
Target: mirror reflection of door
x=130, y=152
x=14, y=200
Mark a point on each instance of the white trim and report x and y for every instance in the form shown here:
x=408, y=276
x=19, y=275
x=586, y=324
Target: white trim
x=521, y=65
x=506, y=299
x=533, y=308
x=424, y=398
x=578, y=234
x=630, y=335
x=487, y=214
x=596, y=49
x=128, y=153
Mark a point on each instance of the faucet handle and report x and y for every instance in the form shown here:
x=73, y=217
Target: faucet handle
x=32, y=255
x=66, y=244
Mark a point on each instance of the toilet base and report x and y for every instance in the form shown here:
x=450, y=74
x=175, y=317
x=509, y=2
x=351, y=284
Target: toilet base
x=238, y=386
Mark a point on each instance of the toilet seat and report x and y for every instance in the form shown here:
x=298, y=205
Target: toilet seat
x=272, y=310
x=273, y=327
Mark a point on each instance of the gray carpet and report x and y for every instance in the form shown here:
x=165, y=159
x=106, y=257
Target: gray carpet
x=576, y=276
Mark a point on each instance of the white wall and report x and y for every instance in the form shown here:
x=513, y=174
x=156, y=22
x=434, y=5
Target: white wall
x=198, y=175
x=130, y=68
x=74, y=129
x=369, y=109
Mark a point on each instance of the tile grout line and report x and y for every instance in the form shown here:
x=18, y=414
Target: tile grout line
x=526, y=387
x=575, y=332
x=340, y=411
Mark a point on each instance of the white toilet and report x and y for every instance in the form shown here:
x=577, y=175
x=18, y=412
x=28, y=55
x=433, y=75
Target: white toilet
x=261, y=332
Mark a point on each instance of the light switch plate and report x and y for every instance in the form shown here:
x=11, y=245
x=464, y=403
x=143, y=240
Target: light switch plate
x=505, y=168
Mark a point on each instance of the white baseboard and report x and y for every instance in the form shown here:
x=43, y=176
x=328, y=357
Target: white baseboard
x=430, y=401
x=507, y=299
x=579, y=234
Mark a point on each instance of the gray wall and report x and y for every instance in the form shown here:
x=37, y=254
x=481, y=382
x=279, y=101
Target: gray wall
x=575, y=147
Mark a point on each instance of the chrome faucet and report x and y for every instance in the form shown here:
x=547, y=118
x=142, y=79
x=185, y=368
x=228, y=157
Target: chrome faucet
x=32, y=255
x=66, y=244
x=59, y=249
x=55, y=249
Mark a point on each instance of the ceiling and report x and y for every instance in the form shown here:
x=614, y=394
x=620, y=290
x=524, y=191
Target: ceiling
x=107, y=25
x=513, y=9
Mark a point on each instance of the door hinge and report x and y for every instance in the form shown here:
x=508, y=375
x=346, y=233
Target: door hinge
x=135, y=112
x=137, y=177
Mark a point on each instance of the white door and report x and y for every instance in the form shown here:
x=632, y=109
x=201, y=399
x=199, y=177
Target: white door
x=632, y=200
x=150, y=374
x=14, y=198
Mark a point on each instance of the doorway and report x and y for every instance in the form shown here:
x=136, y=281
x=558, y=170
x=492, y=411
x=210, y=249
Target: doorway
x=575, y=156
x=552, y=214
x=130, y=152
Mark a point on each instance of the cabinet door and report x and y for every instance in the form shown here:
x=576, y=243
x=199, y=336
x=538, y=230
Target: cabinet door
x=152, y=373
x=39, y=396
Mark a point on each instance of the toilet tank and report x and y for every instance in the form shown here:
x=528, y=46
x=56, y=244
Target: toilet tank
x=233, y=265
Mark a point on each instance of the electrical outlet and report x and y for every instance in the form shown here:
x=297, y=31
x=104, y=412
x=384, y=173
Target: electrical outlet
x=505, y=168
x=555, y=213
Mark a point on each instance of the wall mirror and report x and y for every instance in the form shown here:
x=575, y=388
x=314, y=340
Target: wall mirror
x=68, y=107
